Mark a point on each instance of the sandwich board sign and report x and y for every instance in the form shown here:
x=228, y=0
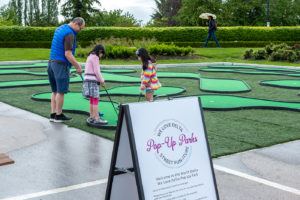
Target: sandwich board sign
x=161, y=152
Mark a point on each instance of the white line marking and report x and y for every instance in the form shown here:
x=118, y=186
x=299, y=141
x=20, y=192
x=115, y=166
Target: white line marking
x=57, y=190
x=259, y=180
x=98, y=182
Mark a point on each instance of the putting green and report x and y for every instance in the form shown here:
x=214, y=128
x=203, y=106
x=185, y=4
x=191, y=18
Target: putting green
x=134, y=90
x=107, y=76
x=75, y=103
x=36, y=65
x=255, y=68
x=178, y=75
x=226, y=102
x=223, y=85
x=247, y=72
x=19, y=71
x=118, y=71
x=289, y=83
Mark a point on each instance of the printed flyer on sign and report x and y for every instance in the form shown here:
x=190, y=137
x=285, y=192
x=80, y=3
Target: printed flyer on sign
x=172, y=150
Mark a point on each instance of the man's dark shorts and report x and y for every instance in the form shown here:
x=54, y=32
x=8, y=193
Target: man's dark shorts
x=59, y=77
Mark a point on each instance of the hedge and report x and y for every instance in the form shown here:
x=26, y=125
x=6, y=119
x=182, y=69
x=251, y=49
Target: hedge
x=129, y=52
x=47, y=44
x=166, y=34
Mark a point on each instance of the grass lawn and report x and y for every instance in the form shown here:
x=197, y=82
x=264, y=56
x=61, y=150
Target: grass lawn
x=228, y=131
x=210, y=54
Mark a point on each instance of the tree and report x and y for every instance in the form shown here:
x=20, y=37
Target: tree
x=40, y=12
x=8, y=16
x=79, y=8
x=114, y=18
x=284, y=12
x=165, y=12
x=17, y=6
x=188, y=15
x=243, y=13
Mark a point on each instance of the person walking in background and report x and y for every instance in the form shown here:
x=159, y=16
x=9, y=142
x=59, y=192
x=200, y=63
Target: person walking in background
x=61, y=60
x=90, y=88
x=212, y=27
x=149, y=80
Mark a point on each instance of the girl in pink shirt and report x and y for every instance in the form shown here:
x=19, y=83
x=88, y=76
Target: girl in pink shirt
x=93, y=78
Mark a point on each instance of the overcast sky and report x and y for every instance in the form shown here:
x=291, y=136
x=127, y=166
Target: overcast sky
x=141, y=9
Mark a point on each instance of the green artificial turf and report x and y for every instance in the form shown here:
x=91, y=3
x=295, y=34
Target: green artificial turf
x=108, y=77
x=223, y=85
x=248, y=72
x=293, y=84
x=121, y=71
x=72, y=70
x=228, y=131
x=226, y=102
x=134, y=90
x=255, y=68
x=178, y=75
x=36, y=65
x=75, y=102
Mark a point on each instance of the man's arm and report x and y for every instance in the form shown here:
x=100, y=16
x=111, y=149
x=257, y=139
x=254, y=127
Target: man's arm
x=73, y=61
x=69, y=45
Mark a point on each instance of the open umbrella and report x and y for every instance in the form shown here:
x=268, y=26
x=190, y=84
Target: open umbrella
x=205, y=15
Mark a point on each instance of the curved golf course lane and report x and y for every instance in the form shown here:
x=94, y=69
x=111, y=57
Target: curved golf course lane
x=36, y=65
x=252, y=72
x=20, y=71
x=223, y=85
x=288, y=83
x=178, y=75
x=74, y=102
x=134, y=90
x=228, y=102
x=118, y=71
x=255, y=68
x=107, y=76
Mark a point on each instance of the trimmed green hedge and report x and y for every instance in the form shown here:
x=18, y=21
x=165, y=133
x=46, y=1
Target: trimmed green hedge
x=47, y=44
x=129, y=52
x=231, y=44
x=166, y=34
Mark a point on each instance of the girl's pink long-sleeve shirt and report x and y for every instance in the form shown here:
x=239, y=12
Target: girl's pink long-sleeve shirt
x=92, y=67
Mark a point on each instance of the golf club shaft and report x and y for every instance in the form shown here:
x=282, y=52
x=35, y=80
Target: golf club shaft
x=110, y=100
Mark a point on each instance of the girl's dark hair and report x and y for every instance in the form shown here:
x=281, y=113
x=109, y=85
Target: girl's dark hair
x=143, y=53
x=98, y=49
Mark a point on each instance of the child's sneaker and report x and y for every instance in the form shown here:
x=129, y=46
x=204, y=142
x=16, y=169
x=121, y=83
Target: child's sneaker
x=90, y=120
x=61, y=118
x=100, y=121
x=52, y=117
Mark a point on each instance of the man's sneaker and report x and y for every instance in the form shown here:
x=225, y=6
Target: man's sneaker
x=52, y=117
x=61, y=118
x=90, y=120
x=99, y=121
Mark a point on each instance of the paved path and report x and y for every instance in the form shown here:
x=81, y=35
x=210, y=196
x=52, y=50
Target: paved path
x=56, y=162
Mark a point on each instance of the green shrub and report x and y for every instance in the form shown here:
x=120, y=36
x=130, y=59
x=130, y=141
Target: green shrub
x=260, y=55
x=249, y=54
x=280, y=52
x=116, y=51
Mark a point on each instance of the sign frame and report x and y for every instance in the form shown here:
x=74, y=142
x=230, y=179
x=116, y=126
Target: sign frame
x=124, y=113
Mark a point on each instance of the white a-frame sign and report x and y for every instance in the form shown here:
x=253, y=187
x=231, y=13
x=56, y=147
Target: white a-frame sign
x=161, y=152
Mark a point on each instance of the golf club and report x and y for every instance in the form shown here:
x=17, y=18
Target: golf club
x=110, y=100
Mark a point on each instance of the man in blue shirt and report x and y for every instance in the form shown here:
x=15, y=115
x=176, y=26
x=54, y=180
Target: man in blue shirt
x=61, y=60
